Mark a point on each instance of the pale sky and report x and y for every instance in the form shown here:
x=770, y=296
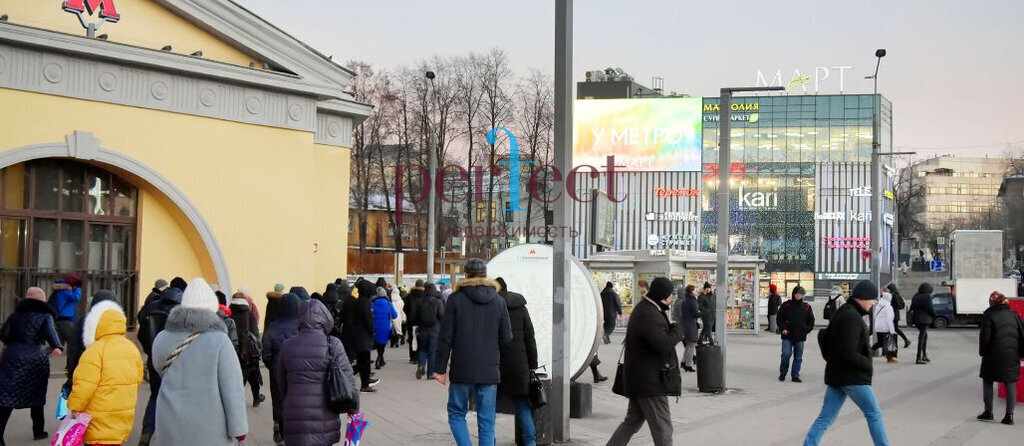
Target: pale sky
x=954, y=70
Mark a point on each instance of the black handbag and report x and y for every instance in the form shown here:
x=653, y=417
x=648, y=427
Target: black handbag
x=342, y=395
x=538, y=395
x=617, y=385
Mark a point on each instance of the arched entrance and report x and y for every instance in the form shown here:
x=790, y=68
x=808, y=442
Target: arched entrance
x=84, y=146
x=63, y=216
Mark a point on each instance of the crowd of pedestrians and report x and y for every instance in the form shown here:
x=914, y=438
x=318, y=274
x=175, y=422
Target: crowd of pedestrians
x=476, y=337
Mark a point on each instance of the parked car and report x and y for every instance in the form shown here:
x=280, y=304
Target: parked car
x=945, y=310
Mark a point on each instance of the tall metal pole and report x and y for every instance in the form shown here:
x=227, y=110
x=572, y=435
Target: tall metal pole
x=722, y=277
x=877, y=219
x=432, y=199
x=561, y=283
x=724, y=163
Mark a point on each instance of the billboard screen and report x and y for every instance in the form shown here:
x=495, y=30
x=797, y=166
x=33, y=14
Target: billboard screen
x=657, y=134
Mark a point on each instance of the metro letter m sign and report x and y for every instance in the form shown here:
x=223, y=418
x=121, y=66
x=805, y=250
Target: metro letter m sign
x=105, y=8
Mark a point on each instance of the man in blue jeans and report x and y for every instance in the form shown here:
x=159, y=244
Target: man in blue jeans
x=796, y=320
x=848, y=369
x=473, y=330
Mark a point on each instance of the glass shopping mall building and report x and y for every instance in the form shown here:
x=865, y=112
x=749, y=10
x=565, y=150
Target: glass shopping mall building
x=799, y=174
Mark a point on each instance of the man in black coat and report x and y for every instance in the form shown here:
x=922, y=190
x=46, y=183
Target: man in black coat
x=357, y=333
x=708, y=304
x=475, y=326
x=922, y=314
x=409, y=304
x=612, y=307
x=686, y=312
x=774, y=302
x=1001, y=345
x=648, y=369
x=848, y=369
x=518, y=361
x=428, y=310
x=796, y=320
x=152, y=319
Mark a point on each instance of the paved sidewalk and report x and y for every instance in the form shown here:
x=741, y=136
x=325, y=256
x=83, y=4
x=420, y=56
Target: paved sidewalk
x=924, y=405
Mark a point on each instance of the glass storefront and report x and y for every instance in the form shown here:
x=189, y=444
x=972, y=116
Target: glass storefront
x=775, y=144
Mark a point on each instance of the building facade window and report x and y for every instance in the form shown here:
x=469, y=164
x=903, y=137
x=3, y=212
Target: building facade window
x=59, y=217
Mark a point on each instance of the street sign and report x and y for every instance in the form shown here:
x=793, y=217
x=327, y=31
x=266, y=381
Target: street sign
x=936, y=266
x=940, y=240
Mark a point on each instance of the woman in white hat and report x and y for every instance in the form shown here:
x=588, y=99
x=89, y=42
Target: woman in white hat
x=202, y=399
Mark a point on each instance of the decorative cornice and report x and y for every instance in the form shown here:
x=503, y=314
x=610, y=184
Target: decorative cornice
x=357, y=110
x=69, y=75
x=233, y=23
x=171, y=63
x=333, y=130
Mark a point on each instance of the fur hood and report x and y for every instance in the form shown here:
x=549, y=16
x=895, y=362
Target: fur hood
x=113, y=324
x=61, y=286
x=34, y=306
x=193, y=320
x=274, y=295
x=478, y=281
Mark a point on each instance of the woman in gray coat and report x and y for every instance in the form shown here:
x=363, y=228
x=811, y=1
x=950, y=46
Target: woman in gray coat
x=202, y=400
x=301, y=377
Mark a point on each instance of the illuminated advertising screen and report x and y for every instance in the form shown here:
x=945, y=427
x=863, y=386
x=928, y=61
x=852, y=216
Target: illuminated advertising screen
x=658, y=134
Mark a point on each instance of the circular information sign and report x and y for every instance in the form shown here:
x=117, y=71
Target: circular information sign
x=528, y=270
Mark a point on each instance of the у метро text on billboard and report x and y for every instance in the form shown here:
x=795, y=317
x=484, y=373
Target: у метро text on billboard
x=657, y=134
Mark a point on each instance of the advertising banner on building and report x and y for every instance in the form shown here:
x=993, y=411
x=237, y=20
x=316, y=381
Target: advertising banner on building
x=842, y=222
x=658, y=134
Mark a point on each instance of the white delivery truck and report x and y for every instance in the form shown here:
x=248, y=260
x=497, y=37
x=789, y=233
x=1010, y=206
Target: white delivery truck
x=976, y=270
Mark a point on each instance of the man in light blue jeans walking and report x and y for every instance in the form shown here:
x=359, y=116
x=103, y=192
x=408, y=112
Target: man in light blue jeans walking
x=474, y=328
x=846, y=346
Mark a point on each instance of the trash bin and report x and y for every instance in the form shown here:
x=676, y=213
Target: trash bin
x=710, y=375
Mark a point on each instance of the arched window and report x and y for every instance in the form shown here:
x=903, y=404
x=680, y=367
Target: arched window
x=59, y=217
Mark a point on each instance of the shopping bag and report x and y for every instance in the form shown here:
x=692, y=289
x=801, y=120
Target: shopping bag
x=357, y=425
x=889, y=345
x=62, y=403
x=72, y=431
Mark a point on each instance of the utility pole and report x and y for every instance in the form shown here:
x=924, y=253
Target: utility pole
x=722, y=207
x=431, y=200
x=561, y=282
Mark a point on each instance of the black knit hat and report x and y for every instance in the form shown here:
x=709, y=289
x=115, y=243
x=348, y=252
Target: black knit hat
x=865, y=290
x=660, y=289
x=706, y=285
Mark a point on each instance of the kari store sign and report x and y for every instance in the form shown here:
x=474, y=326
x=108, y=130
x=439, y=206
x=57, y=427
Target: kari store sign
x=662, y=134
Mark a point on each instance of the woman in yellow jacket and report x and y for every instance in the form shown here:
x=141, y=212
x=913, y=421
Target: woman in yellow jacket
x=106, y=382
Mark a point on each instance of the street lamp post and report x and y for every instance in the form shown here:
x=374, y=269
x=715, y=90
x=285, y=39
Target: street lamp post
x=561, y=284
x=877, y=219
x=431, y=200
x=722, y=288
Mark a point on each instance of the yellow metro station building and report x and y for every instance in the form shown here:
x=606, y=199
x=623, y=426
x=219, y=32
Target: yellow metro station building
x=148, y=139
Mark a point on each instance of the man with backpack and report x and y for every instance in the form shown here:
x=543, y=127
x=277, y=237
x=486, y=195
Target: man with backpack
x=835, y=300
x=152, y=319
x=846, y=347
x=429, y=311
x=796, y=319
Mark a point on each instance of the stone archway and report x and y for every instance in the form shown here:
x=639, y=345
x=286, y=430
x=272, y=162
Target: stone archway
x=84, y=146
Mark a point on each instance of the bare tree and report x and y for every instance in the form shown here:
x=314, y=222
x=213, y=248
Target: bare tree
x=535, y=120
x=365, y=181
x=497, y=110
x=469, y=100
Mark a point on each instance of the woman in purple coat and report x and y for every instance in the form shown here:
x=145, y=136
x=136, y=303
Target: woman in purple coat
x=301, y=377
